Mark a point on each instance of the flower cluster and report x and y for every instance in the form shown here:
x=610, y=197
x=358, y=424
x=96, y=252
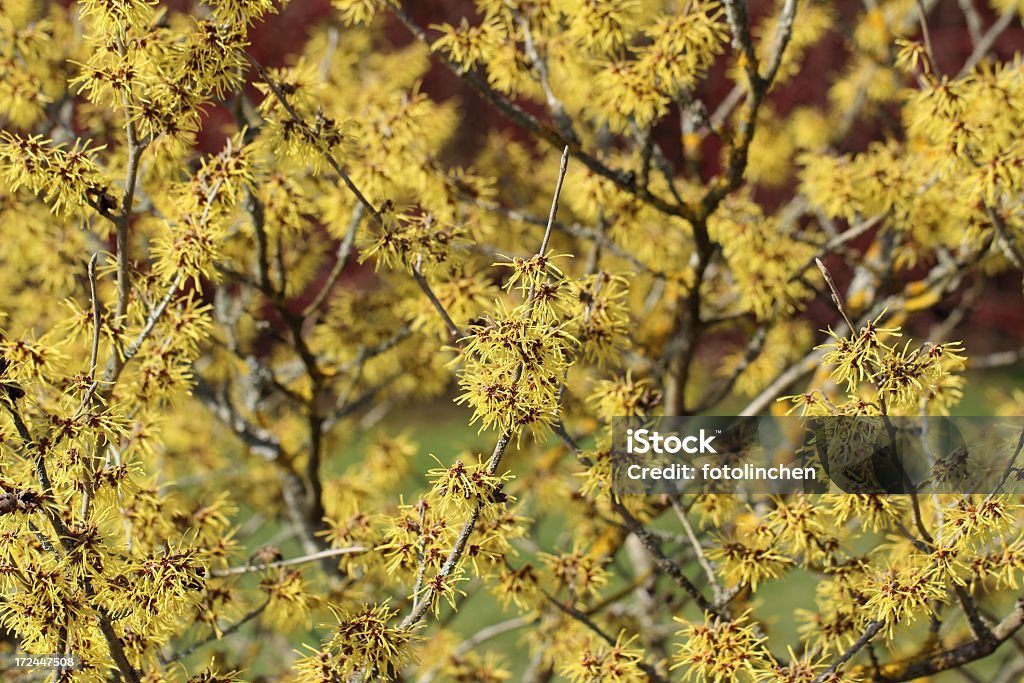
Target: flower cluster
x=900, y=378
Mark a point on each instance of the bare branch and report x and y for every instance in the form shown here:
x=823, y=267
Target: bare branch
x=1013, y=250
x=91, y=270
x=698, y=550
x=342, y=173
x=540, y=65
x=972, y=650
x=563, y=166
x=836, y=298
x=670, y=568
x=999, y=359
x=340, y=259
x=583, y=618
x=972, y=19
x=230, y=630
x=869, y=633
x=312, y=557
x=454, y=333
x=984, y=45
x=739, y=27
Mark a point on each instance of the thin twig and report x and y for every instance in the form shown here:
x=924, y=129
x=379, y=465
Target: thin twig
x=557, y=109
x=421, y=551
x=972, y=19
x=999, y=359
x=93, y=358
x=230, y=630
x=983, y=46
x=1014, y=253
x=563, y=166
x=698, y=550
x=783, y=33
x=1009, y=466
x=342, y=173
x=479, y=638
x=340, y=259
x=578, y=231
x=922, y=18
x=739, y=27
x=836, y=298
x=670, y=568
x=124, y=218
x=454, y=333
x=313, y=557
x=870, y=632
x=783, y=381
x=583, y=618
x=154, y=318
